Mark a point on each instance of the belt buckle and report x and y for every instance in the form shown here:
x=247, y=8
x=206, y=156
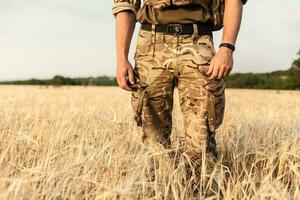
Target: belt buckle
x=174, y=29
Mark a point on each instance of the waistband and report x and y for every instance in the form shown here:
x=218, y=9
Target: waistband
x=179, y=29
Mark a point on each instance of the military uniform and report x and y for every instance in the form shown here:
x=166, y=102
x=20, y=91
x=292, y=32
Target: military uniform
x=173, y=14
x=161, y=59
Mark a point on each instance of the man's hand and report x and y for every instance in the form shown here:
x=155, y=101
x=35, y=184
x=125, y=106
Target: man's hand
x=124, y=70
x=221, y=64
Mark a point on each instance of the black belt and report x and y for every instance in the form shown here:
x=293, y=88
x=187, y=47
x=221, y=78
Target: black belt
x=179, y=29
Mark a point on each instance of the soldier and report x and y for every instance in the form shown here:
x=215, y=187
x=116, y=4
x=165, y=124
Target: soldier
x=175, y=45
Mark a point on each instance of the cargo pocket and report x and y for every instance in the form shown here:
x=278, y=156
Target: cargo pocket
x=216, y=103
x=138, y=100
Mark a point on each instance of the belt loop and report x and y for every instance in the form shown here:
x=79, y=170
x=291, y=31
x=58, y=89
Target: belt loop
x=195, y=32
x=153, y=33
x=153, y=38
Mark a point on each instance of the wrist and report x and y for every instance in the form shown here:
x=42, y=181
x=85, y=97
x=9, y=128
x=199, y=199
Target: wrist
x=121, y=59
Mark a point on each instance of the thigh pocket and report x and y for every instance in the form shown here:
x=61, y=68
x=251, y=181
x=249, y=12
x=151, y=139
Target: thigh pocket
x=138, y=100
x=216, y=103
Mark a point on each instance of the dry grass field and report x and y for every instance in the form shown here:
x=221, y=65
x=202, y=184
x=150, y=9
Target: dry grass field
x=81, y=143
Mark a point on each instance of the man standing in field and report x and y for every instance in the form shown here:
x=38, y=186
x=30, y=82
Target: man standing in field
x=175, y=44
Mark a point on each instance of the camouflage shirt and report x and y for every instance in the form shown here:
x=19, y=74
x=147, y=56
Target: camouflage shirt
x=180, y=14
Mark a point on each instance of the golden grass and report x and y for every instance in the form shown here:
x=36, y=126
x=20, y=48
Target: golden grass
x=81, y=143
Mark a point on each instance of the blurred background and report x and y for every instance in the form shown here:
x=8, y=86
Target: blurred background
x=75, y=38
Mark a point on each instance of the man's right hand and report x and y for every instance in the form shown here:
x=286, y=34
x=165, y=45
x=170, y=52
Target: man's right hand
x=124, y=72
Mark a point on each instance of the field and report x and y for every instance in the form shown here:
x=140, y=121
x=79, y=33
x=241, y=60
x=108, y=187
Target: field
x=82, y=143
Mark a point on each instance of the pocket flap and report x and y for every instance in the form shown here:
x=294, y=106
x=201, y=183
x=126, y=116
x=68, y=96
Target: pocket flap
x=216, y=87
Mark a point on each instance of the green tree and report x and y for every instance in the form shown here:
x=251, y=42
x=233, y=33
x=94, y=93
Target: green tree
x=60, y=80
x=296, y=63
x=293, y=80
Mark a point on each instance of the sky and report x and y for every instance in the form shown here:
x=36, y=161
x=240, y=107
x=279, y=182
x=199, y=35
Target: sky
x=75, y=38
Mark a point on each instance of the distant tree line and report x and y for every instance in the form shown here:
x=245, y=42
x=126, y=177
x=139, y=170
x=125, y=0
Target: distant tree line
x=289, y=79
x=61, y=80
x=285, y=79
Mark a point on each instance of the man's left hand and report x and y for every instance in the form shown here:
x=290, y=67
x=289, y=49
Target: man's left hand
x=221, y=64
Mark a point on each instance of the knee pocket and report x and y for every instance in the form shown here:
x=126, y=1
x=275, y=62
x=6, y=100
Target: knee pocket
x=216, y=103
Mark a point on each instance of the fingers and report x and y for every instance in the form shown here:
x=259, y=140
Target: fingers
x=218, y=70
x=227, y=72
x=210, y=69
x=221, y=72
x=230, y=68
x=121, y=79
x=124, y=84
x=215, y=72
x=125, y=75
x=131, y=78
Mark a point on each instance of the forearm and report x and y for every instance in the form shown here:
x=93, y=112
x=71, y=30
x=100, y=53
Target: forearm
x=222, y=63
x=125, y=24
x=232, y=20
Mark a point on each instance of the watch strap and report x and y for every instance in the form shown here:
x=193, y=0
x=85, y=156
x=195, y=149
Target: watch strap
x=228, y=45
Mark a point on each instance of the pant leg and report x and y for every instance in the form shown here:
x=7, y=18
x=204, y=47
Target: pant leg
x=202, y=101
x=154, y=101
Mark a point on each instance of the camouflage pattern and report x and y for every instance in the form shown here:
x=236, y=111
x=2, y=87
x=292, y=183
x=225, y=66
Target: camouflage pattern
x=216, y=6
x=126, y=5
x=165, y=3
x=160, y=59
x=135, y=5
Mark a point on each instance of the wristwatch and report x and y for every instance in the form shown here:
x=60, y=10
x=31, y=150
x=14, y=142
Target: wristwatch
x=228, y=45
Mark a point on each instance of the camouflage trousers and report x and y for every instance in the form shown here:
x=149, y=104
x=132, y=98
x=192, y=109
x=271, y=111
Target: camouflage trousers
x=161, y=61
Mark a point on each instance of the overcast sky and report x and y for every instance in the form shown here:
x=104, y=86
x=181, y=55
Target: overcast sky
x=42, y=38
